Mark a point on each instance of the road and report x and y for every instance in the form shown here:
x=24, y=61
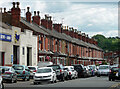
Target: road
x=80, y=82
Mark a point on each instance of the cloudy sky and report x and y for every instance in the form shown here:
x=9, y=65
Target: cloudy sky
x=91, y=16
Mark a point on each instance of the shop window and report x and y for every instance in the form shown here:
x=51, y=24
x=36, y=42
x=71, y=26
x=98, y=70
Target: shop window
x=23, y=50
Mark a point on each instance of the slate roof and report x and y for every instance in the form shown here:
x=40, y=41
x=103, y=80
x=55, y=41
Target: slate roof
x=58, y=35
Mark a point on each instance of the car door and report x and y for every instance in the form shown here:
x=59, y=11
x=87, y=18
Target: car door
x=27, y=71
x=14, y=74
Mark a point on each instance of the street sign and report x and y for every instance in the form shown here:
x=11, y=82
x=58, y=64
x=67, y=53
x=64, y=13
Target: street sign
x=12, y=59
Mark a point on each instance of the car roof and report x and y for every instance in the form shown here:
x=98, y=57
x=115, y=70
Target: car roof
x=45, y=67
x=5, y=67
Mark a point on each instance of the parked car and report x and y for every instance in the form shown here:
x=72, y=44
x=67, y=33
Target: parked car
x=89, y=71
x=9, y=74
x=22, y=72
x=114, y=65
x=113, y=74
x=71, y=73
x=103, y=70
x=45, y=73
x=94, y=69
x=80, y=69
x=61, y=74
x=1, y=79
x=33, y=70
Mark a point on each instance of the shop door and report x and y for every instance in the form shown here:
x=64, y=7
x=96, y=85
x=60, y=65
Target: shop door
x=29, y=56
x=2, y=58
x=16, y=54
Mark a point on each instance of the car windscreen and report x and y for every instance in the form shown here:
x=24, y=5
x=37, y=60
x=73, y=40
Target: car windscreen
x=32, y=68
x=18, y=67
x=104, y=67
x=65, y=69
x=115, y=69
x=55, y=67
x=43, y=70
x=77, y=67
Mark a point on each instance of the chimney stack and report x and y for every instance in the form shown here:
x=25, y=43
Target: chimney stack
x=28, y=15
x=15, y=14
x=36, y=18
x=4, y=10
x=17, y=4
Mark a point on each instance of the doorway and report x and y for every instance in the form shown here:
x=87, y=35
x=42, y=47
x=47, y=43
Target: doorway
x=29, y=56
x=16, y=53
x=2, y=58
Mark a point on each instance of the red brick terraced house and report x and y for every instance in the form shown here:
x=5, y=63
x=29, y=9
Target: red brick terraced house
x=55, y=42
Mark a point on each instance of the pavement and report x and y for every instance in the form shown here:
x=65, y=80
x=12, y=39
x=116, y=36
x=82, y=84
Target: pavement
x=91, y=82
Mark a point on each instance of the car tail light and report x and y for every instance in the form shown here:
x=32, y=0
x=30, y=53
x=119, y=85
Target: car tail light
x=69, y=73
x=60, y=71
x=8, y=73
x=23, y=72
x=35, y=71
x=110, y=71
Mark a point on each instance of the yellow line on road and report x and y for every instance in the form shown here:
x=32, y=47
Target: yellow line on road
x=114, y=86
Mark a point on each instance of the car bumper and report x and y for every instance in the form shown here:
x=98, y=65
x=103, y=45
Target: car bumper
x=42, y=79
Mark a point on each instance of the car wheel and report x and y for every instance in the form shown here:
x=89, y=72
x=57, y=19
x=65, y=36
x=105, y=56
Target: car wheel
x=98, y=75
x=35, y=83
x=12, y=81
x=28, y=79
x=113, y=79
x=24, y=79
x=109, y=79
x=63, y=78
x=15, y=81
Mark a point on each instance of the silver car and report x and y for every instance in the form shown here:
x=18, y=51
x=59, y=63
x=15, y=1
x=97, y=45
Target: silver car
x=103, y=70
x=9, y=74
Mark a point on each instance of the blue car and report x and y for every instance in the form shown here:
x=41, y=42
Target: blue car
x=22, y=71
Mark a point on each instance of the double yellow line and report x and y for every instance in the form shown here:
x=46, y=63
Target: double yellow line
x=115, y=86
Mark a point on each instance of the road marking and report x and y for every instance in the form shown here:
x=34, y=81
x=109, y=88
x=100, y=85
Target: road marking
x=114, y=86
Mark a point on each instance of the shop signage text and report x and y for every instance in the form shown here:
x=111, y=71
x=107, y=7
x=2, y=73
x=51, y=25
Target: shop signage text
x=5, y=37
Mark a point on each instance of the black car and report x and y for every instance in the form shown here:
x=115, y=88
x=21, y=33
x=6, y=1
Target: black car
x=81, y=70
x=113, y=74
x=59, y=71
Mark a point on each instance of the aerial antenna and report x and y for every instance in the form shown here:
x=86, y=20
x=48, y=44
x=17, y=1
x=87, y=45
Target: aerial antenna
x=54, y=20
x=23, y=11
x=62, y=20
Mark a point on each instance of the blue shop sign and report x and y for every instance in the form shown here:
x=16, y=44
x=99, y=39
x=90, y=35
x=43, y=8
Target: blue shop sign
x=5, y=37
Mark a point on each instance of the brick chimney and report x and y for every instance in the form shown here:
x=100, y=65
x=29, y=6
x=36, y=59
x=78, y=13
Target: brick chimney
x=57, y=27
x=15, y=14
x=44, y=22
x=50, y=23
x=71, y=32
x=79, y=35
x=83, y=37
x=65, y=30
x=36, y=18
x=47, y=22
x=76, y=34
x=87, y=38
x=28, y=15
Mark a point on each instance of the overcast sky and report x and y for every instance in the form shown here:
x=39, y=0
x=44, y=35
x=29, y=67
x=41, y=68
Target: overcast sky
x=91, y=16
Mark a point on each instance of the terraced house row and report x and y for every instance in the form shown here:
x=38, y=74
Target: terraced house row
x=29, y=40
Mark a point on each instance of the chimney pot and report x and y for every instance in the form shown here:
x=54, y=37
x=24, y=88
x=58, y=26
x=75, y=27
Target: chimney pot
x=17, y=4
x=34, y=13
x=4, y=9
x=38, y=13
x=28, y=9
x=13, y=4
x=50, y=17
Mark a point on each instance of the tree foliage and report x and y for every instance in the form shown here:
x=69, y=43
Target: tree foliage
x=108, y=44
